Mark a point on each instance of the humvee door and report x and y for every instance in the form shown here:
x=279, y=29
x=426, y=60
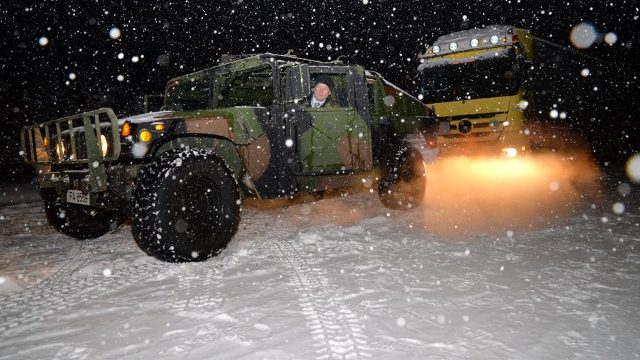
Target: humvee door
x=334, y=138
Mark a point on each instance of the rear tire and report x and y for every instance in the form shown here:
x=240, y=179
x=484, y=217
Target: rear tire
x=79, y=221
x=186, y=206
x=403, y=180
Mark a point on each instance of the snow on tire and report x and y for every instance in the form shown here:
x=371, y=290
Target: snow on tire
x=186, y=206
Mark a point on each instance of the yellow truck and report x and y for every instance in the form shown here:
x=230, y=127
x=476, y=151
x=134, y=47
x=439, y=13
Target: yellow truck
x=475, y=81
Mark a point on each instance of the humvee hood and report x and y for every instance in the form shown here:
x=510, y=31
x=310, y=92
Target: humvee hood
x=145, y=118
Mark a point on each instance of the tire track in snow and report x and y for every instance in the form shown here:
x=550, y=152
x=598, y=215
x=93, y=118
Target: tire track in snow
x=335, y=329
x=33, y=213
x=23, y=218
x=43, y=300
x=199, y=290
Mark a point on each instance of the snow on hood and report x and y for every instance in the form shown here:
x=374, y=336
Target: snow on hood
x=145, y=118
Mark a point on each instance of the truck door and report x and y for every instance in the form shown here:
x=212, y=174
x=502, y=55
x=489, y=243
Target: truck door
x=334, y=138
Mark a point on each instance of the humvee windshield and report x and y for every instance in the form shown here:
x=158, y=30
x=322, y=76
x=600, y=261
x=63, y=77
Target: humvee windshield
x=252, y=87
x=188, y=93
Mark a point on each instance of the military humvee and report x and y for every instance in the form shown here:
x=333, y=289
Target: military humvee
x=240, y=129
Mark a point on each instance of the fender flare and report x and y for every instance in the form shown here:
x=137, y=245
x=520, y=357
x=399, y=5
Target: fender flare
x=222, y=146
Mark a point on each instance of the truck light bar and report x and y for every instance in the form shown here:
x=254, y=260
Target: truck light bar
x=475, y=39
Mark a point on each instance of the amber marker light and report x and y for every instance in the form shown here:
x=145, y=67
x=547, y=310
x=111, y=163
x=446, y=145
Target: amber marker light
x=159, y=127
x=125, y=130
x=144, y=135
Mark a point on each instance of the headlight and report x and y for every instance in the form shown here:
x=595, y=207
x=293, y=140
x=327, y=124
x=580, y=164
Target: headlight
x=435, y=49
x=453, y=46
x=473, y=42
x=104, y=145
x=510, y=152
x=494, y=39
x=60, y=149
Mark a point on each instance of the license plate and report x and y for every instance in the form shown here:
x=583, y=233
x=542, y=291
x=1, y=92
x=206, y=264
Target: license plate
x=78, y=197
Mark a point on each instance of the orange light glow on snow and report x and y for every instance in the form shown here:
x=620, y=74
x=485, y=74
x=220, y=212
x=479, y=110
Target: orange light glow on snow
x=468, y=195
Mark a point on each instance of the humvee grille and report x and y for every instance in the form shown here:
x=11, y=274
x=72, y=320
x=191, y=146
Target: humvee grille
x=75, y=139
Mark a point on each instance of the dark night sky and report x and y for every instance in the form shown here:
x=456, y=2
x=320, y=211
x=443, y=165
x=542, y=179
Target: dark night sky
x=171, y=38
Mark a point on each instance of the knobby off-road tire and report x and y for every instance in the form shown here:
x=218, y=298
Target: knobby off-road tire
x=186, y=206
x=403, y=181
x=78, y=221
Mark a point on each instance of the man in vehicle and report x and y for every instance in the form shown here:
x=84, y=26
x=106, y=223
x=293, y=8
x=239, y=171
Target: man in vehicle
x=320, y=96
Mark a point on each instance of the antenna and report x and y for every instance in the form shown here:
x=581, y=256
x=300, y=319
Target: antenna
x=571, y=50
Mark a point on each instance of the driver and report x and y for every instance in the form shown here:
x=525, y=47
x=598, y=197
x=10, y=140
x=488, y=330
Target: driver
x=321, y=93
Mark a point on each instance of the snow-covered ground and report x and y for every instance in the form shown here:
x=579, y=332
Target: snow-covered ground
x=550, y=271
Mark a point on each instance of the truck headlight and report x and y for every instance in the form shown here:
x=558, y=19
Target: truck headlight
x=453, y=46
x=435, y=49
x=474, y=42
x=510, y=152
x=494, y=39
x=104, y=145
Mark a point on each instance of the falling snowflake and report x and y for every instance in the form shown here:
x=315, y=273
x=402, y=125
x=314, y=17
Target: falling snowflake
x=633, y=168
x=583, y=35
x=618, y=208
x=114, y=33
x=611, y=38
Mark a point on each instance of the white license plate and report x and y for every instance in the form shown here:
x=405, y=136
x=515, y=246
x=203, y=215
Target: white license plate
x=78, y=197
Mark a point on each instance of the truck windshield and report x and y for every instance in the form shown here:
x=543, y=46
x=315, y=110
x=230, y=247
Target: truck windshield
x=482, y=78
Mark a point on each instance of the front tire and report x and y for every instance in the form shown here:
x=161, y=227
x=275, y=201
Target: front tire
x=79, y=221
x=403, y=180
x=186, y=206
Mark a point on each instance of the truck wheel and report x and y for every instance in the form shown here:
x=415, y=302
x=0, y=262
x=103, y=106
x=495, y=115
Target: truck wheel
x=186, y=206
x=79, y=221
x=403, y=180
